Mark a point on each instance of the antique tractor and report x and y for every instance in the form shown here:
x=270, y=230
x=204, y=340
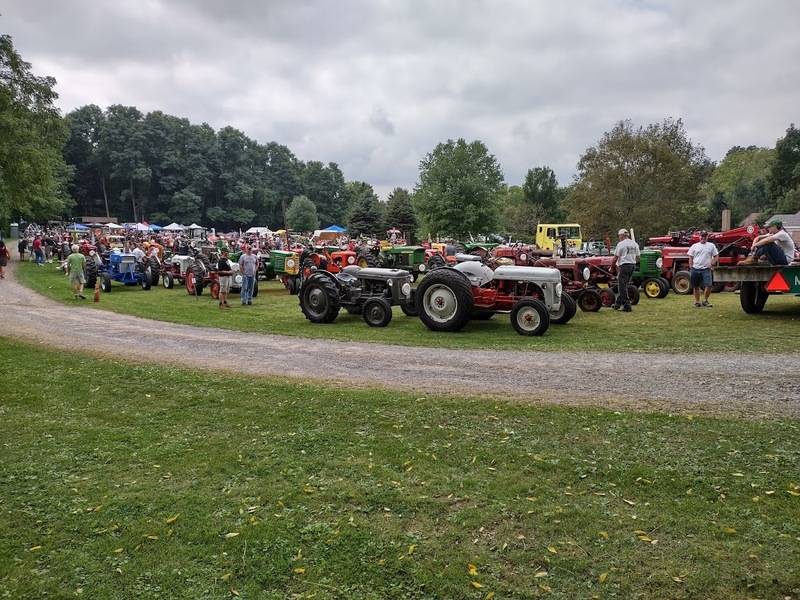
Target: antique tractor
x=124, y=268
x=370, y=292
x=285, y=265
x=648, y=274
x=407, y=258
x=449, y=297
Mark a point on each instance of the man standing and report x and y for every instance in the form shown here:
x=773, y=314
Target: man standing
x=22, y=246
x=38, y=251
x=703, y=257
x=625, y=258
x=225, y=272
x=776, y=246
x=76, y=262
x=248, y=265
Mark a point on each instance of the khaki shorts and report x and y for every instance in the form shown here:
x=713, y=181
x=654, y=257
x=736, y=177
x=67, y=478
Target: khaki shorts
x=76, y=278
x=225, y=284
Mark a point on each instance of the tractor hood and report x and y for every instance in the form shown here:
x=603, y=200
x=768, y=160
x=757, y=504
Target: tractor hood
x=543, y=274
x=383, y=274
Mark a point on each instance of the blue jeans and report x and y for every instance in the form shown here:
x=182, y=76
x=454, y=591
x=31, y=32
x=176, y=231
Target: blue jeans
x=39, y=256
x=773, y=252
x=248, y=282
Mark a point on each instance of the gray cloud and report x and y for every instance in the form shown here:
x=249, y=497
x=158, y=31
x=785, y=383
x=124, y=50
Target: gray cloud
x=375, y=85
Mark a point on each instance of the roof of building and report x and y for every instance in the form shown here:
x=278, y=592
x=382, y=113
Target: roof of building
x=788, y=220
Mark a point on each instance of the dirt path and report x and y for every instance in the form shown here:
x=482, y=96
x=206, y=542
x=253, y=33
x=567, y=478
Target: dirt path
x=732, y=384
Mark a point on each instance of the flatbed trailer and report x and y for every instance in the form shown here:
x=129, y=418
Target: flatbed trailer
x=758, y=282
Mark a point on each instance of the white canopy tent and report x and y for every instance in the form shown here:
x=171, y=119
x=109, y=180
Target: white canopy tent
x=259, y=230
x=113, y=226
x=173, y=227
x=195, y=226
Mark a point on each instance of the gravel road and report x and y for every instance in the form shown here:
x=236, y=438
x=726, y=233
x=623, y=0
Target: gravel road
x=715, y=383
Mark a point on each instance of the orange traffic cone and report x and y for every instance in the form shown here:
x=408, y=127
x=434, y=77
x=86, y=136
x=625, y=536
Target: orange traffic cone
x=97, y=291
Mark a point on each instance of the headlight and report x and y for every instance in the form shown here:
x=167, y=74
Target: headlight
x=290, y=263
x=559, y=287
x=659, y=262
x=351, y=260
x=523, y=257
x=406, y=289
x=586, y=273
x=422, y=268
x=390, y=282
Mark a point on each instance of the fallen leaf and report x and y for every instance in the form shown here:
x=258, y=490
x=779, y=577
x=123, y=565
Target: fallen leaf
x=603, y=577
x=35, y=548
x=477, y=585
x=411, y=549
x=677, y=580
x=545, y=588
x=472, y=569
x=119, y=551
x=604, y=535
x=151, y=537
x=540, y=574
x=171, y=520
x=230, y=535
x=630, y=502
x=552, y=550
x=226, y=577
x=299, y=570
x=645, y=538
x=728, y=530
x=793, y=492
x=234, y=592
x=489, y=596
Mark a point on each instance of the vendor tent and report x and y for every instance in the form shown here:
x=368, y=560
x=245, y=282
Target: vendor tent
x=114, y=226
x=77, y=227
x=259, y=230
x=335, y=229
x=195, y=226
x=155, y=227
x=173, y=227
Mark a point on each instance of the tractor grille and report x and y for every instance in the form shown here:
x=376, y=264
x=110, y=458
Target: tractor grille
x=278, y=262
x=647, y=261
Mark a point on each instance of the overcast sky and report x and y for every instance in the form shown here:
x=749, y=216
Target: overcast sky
x=375, y=85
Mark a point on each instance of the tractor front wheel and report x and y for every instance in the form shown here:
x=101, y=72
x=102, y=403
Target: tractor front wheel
x=633, y=294
x=167, y=281
x=665, y=287
x=607, y=296
x=377, y=312
x=410, y=308
x=444, y=300
x=367, y=259
x=752, y=297
x=590, y=301
x=565, y=312
x=215, y=290
x=530, y=317
x=653, y=287
x=319, y=299
x=681, y=283
x=147, y=279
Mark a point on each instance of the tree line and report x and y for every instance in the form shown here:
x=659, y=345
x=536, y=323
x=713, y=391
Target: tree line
x=121, y=162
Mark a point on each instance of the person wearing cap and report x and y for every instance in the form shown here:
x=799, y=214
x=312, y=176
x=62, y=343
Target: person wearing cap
x=225, y=272
x=703, y=257
x=76, y=263
x=626, y=256
x=777, y=246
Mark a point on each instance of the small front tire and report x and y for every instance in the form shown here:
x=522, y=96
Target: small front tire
x=377, y=312
x=530, y=317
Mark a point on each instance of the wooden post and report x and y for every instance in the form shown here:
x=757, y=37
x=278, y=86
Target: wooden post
x=726, y=219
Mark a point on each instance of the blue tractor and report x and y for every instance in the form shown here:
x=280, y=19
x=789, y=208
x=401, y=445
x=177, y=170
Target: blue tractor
x=123, y=267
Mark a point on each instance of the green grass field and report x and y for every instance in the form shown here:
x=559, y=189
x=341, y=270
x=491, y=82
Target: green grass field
x=671, y=324
x=121, y=481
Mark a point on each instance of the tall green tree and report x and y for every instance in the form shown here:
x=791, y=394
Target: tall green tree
x=458, y=189
x=88, y=186
x=33, y=174
x=649, y=178
x=784, y=181
x=367, y=212
x=740, y=182
x=324, y=186
x=542, y=194
x=518, y=217
x=400, y=213
x=302, y=215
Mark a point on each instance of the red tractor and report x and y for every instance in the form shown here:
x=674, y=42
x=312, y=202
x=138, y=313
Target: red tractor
x=733, y=246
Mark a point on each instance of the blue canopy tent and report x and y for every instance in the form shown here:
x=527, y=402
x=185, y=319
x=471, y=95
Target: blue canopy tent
x=335, y=229
x=155, y=227
x=77, y=227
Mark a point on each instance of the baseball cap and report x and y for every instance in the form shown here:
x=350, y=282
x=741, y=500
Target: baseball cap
x=775, y=222
x=703, y=234
x=622, y=232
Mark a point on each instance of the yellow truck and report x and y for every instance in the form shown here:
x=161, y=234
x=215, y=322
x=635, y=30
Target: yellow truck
x=548, y=236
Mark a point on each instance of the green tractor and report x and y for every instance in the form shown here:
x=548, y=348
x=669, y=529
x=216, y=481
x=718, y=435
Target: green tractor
x=283, y=264
x=407, y=258
x=648, y=275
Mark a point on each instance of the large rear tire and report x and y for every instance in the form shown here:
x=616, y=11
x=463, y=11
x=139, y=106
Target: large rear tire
x=681, y=283
x=367, y=259
x=147, y=279
x=436, y=261
x=319, y=299
x=567, y=310
x=90, y=273
x=752, y=297
x=155, y=269
x=444, y=300
x=530, y=317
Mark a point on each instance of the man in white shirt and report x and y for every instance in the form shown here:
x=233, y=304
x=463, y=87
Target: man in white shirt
x=777, y=246
x=703, y=257
x=625, y=258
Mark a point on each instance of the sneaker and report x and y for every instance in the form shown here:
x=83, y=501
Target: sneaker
x=249, y=304
x=697, y=305
x=616, y=306
x=81, y=296
x=707, y=304
x=626, y=309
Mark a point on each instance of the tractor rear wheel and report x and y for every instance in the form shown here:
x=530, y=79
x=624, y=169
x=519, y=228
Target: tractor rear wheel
x=155, y=269
x=666, y=287
x=590, y=301
x=319, y=299
x=565, y=312
x=367, y=259
x=90, y=273
x=444, y=300
x=436, y=261
x=410, y=308
x=633, y=294
x=147, y=279
x=681, y=283
x=530, y=317
x=294, y=285
x=167, y=281
x=377, y=312
x=106, y=284
x=752, y=297
x=653, y=287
